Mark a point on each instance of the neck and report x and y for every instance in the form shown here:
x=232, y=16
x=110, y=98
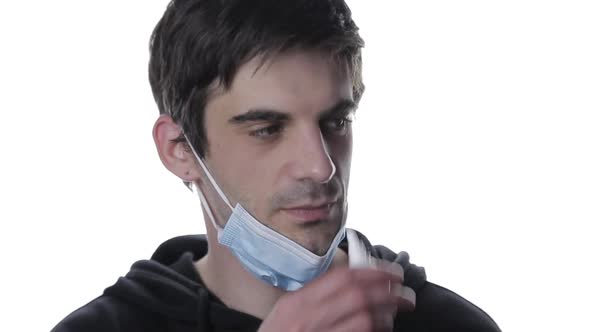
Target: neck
x=237, y=288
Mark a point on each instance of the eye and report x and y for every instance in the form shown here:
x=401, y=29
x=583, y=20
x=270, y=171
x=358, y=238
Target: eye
x=337, y=125
x=267, y=132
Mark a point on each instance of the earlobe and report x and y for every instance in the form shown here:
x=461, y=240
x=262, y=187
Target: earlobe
x=174, y=154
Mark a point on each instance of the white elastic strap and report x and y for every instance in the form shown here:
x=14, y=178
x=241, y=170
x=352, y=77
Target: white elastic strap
x=206, y=205
x=209, y=176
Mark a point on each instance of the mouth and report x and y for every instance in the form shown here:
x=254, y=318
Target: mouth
x=309, y=213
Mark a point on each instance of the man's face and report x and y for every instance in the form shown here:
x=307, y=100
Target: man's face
x=280, y=144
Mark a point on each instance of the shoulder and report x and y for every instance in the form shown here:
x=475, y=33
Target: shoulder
x=440, y=309
x=97, y=315
x=105, y=313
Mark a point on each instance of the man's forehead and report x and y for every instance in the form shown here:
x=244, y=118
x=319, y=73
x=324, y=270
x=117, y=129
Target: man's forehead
x=287, y=81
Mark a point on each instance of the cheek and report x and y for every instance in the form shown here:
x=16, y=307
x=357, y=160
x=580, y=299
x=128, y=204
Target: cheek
x=252, y=179
x=230, y=167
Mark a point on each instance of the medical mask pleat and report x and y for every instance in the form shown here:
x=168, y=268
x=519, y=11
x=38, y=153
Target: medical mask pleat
x=276, y=238
x=247, y=236
x=267, y=254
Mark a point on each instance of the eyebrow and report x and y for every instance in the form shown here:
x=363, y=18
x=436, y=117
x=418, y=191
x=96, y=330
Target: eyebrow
x=343, y=106
x=260, y=115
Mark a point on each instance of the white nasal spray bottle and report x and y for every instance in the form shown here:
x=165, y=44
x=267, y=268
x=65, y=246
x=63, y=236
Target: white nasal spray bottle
x=358, y=255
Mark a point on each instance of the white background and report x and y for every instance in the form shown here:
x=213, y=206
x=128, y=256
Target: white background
x=472, y=151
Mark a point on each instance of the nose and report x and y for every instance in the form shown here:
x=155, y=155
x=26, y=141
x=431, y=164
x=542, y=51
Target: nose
x=312, y=158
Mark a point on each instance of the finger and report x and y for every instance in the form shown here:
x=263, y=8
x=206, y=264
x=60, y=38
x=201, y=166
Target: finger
x=331, y=283
x=344, y=291
x=406, y=296
x=406, y=299
x=355, y=298
x=386, y=266
x=391, y=267
x=368, y=288
x=384, y=272
x=365, y=322
x=384, y=320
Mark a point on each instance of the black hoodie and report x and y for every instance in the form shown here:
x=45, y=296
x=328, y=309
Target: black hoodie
x=166, y=293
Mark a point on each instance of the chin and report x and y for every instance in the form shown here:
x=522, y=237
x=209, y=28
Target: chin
x=317, y=238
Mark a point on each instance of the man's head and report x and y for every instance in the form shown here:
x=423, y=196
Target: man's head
x=264, y=90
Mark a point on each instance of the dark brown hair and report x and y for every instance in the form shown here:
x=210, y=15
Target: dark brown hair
x=197, y=42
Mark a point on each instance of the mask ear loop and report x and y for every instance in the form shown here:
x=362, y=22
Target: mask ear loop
x=206, y=205
x=209, y=176
x=195, y=188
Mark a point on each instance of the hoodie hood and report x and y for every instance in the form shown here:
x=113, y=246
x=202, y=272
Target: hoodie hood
x=169, y=285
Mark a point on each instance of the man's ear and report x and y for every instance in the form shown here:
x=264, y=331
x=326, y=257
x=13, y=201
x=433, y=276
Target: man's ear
x=174, y=155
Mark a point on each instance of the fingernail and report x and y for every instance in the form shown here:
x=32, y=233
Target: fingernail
x=396, y=290
x=409, y=295
x=396, y=269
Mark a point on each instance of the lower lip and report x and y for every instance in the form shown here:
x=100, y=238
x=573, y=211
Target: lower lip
x=309, y=215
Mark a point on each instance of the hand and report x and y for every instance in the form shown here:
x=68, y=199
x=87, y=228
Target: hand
x=344, y=299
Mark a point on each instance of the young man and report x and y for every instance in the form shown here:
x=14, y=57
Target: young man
x=256, y=99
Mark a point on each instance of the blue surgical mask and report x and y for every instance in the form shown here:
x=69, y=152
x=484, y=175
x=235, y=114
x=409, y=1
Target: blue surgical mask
x=267, y=254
